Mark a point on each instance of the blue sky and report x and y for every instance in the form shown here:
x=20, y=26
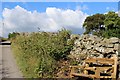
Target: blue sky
x=50, y=16
x=91, y=7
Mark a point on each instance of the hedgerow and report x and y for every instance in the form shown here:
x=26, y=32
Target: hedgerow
x=38, y=53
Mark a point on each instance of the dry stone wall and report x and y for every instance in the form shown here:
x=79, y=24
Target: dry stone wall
x=91, y=46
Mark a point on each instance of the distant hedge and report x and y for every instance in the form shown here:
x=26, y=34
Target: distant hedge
x=37, y=54
x=13, y=35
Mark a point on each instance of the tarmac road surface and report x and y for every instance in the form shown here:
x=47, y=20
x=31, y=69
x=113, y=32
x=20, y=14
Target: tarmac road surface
x=8, y=67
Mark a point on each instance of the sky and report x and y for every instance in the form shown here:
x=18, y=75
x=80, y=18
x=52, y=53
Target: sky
x=49, y=16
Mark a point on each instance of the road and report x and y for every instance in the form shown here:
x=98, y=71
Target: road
x=8, y=67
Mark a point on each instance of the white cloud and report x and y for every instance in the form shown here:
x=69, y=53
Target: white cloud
x=21, y=20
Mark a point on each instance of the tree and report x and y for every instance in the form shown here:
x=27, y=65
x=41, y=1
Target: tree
x=12, y=35
x=112, y=20
x=112, y=25
x=94, y=24
x=105, y=25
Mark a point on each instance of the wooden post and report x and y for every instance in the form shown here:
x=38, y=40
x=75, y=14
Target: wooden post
x=115, y=67
x=72, y=71
x=85, y=71
x=97, y=73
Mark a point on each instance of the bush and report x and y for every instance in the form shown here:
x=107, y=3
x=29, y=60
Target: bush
x=12, y=35
x=111, y=33
x=38, y=53
x=3, y=39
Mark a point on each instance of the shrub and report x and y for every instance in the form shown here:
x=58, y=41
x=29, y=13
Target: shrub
x=12, y=35
x=3, y=39
x=38, y=53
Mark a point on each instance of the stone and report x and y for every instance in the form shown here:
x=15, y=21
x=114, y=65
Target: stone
x=95, y=54
x=103, y=44
x=89, y=46
x=117, y=53
x=94, y=38
x=109, y=50
x=86, y=36
x=98, y=44
x=84, y=52
x=74, y=48
x=100, y=56
x=109, y=45
x=77, y=43
x=72, y=52
x=82, y=46
x=92, y=42
x=116, y=46
x=105, y=40
x=78, y=51
x=74, y=36
x=114, y=40
x=100, y=49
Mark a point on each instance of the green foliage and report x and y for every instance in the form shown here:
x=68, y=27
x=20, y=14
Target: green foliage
x=70, y=42
x=94, y=23
x=12, y=35
x=112, y=20
x=111, y=33
x=3, y=39
x=38, y=53
x=105, y=25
